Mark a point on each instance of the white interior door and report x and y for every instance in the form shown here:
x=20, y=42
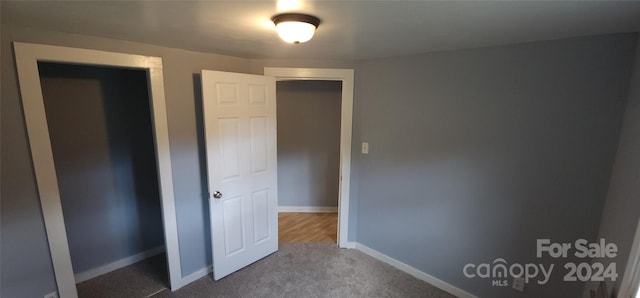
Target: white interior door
x=240, y=127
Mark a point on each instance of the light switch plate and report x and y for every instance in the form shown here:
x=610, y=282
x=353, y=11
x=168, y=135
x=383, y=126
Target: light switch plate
x=51, y=295
x=365, y=148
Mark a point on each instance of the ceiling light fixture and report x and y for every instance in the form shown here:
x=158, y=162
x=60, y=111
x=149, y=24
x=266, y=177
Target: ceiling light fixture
x=295, y=27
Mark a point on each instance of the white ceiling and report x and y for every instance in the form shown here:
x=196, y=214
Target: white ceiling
x=349, y=29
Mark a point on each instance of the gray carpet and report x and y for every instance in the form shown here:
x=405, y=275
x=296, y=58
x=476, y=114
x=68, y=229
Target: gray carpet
x=141, y=279
x=296, y=270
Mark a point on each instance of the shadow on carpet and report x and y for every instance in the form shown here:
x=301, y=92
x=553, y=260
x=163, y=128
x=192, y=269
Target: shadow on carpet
x=142, y=279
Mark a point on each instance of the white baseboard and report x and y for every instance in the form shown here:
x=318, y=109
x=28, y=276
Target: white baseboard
x=309, y=209
x=95, y=272
x=349, y=245
x=195, y=276
x=415, y=272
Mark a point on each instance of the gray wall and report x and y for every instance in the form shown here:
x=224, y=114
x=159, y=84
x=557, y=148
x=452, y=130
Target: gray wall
x=308, y=143
x=474, y=154
x=622, y=208
x=100, y=126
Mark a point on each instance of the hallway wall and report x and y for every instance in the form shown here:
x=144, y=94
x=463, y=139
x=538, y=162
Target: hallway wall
x=308, y=143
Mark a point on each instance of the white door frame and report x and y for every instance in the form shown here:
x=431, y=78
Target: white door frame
x=631, y=279
x=27, y=58
x=346, y=119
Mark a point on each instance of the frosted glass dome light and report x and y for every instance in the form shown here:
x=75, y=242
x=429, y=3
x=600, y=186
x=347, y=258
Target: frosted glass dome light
x=294, y=27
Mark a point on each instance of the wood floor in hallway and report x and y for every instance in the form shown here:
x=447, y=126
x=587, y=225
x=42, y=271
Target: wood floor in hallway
x=294, y=227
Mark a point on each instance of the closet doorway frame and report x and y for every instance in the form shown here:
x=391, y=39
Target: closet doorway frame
x=346, y=126
x=27, y=56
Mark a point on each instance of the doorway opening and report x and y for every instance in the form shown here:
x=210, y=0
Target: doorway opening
x=101, y=135
x=28, y=57
x=308, y=115
x=345, y=78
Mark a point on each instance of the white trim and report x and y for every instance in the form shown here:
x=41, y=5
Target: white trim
x=27, y=57
x=350, y=245
x=308, y=209
x=414, y=272
x=346, y=118
x=195, y=276
x=631, y=279
x=104, y=269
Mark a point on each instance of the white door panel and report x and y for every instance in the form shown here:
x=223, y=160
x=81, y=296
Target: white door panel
x=240, y=127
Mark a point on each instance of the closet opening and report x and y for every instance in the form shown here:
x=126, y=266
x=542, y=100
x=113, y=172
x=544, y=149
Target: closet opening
x=101, y=133
x=309, y=131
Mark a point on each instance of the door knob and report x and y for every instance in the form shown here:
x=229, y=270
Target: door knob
x=217, y=194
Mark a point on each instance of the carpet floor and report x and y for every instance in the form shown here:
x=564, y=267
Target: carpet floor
x=296, y=270
x=142, y=279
